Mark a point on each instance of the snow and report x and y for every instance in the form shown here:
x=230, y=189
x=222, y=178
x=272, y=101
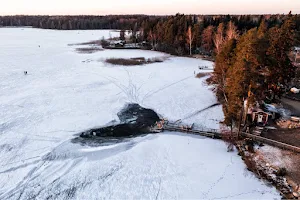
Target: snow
x=275, y=156
x=66, y=93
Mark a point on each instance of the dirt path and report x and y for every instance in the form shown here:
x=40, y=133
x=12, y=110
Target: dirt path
x=288, y=136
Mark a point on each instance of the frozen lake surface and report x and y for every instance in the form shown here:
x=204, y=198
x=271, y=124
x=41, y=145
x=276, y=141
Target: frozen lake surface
x=66, y=93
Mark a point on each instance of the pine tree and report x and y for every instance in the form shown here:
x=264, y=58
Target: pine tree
x=207, y=39
x=197, y=35
x=245, y=80
x=281, y=42
x=224, y=60
x=263, y=29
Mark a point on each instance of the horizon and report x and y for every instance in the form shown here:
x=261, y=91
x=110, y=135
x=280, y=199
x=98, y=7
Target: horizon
x=155, y=7
x=158, y=15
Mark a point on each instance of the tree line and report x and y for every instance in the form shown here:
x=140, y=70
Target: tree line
x=75, y=22
x=190, y=34
x=179, y=34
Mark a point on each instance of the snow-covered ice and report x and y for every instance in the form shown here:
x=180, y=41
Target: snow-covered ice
x=65, y=93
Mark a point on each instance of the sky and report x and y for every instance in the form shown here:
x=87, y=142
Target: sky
x=150, y=7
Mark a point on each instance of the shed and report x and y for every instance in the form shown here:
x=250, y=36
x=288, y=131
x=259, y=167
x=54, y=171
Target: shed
x=260, y=117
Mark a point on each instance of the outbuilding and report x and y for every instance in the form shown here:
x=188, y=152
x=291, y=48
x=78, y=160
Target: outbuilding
x=260, y=117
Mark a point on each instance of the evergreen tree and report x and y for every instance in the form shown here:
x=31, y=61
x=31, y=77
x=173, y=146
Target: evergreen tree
x=281, y=42
x=263, y=29
x=197, y=34
x=224, y=60
x=207, y=39
x=245, y=81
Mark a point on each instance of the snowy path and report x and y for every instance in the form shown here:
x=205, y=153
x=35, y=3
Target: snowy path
x=63, y=95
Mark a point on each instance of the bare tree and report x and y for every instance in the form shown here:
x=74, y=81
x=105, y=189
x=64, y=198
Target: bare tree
x=122, y=35
x=189, y=38
x=231, y=32
x=219, y=38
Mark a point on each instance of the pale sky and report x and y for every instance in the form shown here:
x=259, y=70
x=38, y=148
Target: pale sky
x=157, y=7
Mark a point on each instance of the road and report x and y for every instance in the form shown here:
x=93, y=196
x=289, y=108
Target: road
x=293, y=106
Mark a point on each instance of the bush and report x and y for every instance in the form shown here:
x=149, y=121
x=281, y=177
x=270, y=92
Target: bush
x=123, y=61
x=88, y=50
x=93, y=43
x=250, y=144
x=201, y=75
x=281, y=172
x=250, y=163
x=133, y=61
x=104, y=43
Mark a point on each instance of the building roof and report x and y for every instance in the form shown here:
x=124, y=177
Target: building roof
x=261, y=111
x=271, y=108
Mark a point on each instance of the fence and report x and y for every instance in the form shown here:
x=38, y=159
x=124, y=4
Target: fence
x=215, y=134
x=212, y=133
x=272, y=142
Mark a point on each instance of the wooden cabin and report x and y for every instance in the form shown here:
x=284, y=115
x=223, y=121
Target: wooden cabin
x=260, y=117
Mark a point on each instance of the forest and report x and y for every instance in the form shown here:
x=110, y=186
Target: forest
x=165, y=33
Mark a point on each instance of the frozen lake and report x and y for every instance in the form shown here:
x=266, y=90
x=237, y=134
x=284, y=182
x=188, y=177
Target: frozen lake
x=66, y=92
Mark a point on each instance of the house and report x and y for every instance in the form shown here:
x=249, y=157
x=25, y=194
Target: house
x=260, y=117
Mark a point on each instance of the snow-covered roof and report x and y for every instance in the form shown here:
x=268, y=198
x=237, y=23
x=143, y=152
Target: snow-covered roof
x=258, y=110
x=271, y=108
x=116, y=42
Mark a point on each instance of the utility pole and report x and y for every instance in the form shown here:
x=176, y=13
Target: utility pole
x=240, y=121
x=244, y=111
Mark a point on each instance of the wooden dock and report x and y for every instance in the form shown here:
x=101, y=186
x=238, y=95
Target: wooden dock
x=190, y=129
x=215, y=134
x=211, y=133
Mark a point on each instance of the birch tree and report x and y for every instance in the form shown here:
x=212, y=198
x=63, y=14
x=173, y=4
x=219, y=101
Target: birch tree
x=190, y=38
x=219, y=38
x=231, y=32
